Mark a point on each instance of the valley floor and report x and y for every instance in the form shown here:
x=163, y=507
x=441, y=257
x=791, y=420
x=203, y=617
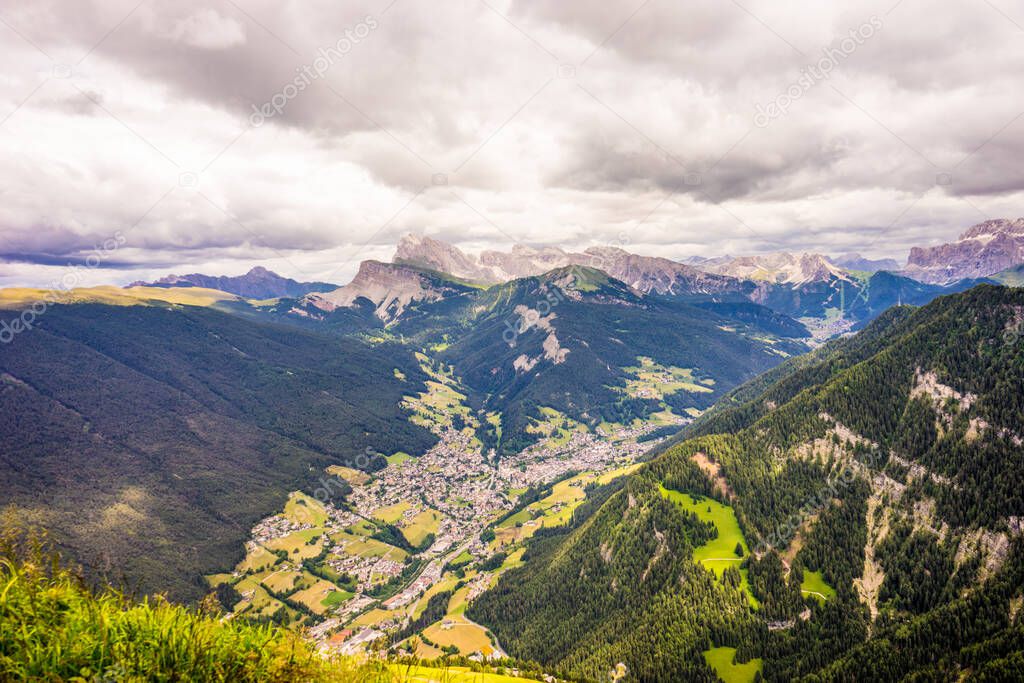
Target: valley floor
x=361, y=577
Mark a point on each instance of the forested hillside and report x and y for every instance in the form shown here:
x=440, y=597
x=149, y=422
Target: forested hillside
x=149, y=439
x=871, y=487
x=568, y=339
x=565, y=340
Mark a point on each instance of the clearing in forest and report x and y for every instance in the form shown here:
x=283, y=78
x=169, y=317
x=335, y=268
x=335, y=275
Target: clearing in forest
x=718, y=553
x=721, y=659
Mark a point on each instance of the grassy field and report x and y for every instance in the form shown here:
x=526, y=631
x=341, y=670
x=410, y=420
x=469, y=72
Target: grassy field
x=494, y=419
x=456, y=630
x=434, y=408
x=462, y=558
x=814, y=585
x=369, y=547
x=392, y=513
x=419, y=527
x=459, y=602
x=426, y=652
x=372, y=618
x=555, y=509
x=612, y=475
x=555, y=426
x=718, y=553
x=256, y=560
x=284, y=580
x=116, y=296
x=721, y=660
x=335, y=597
x=316, y=595
x=304, y=509
x=651, y=380
x=398, y=458
x=257, y=601
x=453, y=674
x=362, y=528
x=297, y=544
x=352, y=476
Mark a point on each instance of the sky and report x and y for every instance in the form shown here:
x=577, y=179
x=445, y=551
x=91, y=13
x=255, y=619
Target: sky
x=143, y=138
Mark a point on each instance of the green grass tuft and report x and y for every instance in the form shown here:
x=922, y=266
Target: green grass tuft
x=55, y=627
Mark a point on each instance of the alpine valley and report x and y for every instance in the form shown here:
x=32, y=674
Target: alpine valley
x=577, y=465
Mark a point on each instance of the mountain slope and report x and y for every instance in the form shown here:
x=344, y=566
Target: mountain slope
x=876, y=481
x=151, y=438
x=579, y=342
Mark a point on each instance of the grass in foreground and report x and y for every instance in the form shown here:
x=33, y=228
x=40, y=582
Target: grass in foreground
x=54, y=627
x=453, y=674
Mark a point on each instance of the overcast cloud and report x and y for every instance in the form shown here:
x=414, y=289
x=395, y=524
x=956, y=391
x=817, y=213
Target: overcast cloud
x=654, y=125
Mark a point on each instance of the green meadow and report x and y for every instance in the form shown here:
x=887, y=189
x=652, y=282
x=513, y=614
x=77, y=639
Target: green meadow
x=718, y=553
x=721, y=660
x=814, y=585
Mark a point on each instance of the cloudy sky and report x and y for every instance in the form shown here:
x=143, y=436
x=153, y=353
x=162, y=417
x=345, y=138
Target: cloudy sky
x=309, y=135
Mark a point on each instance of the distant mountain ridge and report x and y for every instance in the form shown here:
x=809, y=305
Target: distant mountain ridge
x=854, y=261
x=258, y=283
x=778, y=268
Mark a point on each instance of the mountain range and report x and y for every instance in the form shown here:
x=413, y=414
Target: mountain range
x=819, y=289
x=825, y=297
x=839, y=499
x=517, y=344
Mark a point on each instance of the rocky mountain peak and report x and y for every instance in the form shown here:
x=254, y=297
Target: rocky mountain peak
x=982, y=250
x=389, y=287
x=643, y=273
x=427, y=252
x=779, y=267
x=994, y=227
